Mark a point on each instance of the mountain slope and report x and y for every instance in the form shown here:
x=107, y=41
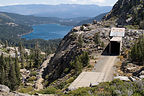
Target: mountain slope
x=61, y=11
x=128, y=12
x=9, y=29
x=33, y=20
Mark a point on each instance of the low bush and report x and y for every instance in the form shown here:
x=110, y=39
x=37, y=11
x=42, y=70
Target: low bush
x=114, y=88
x=26, y=90
x=33, y=73
x=48, y=90
x=33, y=78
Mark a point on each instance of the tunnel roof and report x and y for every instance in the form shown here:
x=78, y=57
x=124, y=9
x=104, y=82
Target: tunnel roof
x=118, y=39
x=117, y=32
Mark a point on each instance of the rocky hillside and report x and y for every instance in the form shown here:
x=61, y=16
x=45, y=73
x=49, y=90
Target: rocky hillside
x=128, y=13
x=82, y=39
x=125, y=13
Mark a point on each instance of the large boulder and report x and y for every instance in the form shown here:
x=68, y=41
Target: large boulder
x=123, y=78
x=4, y=88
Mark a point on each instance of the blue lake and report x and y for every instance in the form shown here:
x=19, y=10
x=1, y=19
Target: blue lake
x=48, y=31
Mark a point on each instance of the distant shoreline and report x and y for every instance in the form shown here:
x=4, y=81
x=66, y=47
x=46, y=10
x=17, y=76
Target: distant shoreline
x=25, y=33
x=49, y=35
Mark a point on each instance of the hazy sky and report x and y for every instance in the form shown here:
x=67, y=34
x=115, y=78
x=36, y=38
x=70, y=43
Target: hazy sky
x=54, y=2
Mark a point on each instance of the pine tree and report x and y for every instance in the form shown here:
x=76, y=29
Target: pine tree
x=85, y=59
x=2, y=76
x=78, y=65
x=2, y=71
x=137, y=51
x=17, y=68
x=12, y=75
x=37, y=58
x=7, y=68
x=21, y=49
x=97, y=38
x=80, y=41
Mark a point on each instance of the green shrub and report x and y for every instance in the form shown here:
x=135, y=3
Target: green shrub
x=80, y=92
x=97, y=38
x=137, y=51
x=33, y=73
x=114, y=88
x=66, y=70
x=26, y=90
x=70, y=80
x=61, y=85
x=33, y=78
x=48, y=90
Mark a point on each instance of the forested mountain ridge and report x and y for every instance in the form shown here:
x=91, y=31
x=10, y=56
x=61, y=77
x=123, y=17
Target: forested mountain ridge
x=61, y=11
x=33, y=20
x=12, y=26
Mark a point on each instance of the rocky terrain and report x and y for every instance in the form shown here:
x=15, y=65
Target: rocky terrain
x=123, y=14
x=93, y=38
x=69, y=47
x=127, y=13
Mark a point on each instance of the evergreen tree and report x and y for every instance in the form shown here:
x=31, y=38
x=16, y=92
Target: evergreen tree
x=17, y=68
x=1, y=69
x=137, y=51
x=12, y=75
x=2, y=72
x=85, y=59
x=7, y=69
x=21, y=49
x=97, y=38
x=77, y=65
x=80, y=41
x=2, y=75
x=37, y=57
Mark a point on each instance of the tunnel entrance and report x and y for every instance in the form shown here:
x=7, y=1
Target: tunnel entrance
x=113, y=48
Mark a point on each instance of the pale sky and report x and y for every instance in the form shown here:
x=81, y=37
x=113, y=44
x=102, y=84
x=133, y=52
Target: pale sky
x=55, y=2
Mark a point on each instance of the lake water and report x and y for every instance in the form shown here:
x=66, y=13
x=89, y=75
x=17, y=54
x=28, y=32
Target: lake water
x=48, y=31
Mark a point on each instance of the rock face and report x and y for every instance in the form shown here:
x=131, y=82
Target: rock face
x=128, y=12
x=4, y=88
x=69, y=48
x=124, y=13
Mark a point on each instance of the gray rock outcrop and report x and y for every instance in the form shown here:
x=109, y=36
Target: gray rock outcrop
x=4, y=88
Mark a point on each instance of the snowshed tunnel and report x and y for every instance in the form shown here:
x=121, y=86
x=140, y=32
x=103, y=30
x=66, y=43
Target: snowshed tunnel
x=113, y=48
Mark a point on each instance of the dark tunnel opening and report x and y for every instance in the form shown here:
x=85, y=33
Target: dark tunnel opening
x=113, y=48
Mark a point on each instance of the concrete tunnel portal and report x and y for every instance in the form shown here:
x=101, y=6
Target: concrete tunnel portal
x=115, y=44
x=114, y=48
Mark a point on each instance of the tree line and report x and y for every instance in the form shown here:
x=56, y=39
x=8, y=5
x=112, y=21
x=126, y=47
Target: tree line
x=10, y=71
x=10, y=66
x=137, y=51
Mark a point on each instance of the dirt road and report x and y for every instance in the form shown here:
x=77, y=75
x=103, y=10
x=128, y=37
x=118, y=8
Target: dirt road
x=38, y=83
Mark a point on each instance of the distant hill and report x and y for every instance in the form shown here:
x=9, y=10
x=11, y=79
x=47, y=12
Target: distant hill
x=33, y=20
x=61, y=11
x=97, y=18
